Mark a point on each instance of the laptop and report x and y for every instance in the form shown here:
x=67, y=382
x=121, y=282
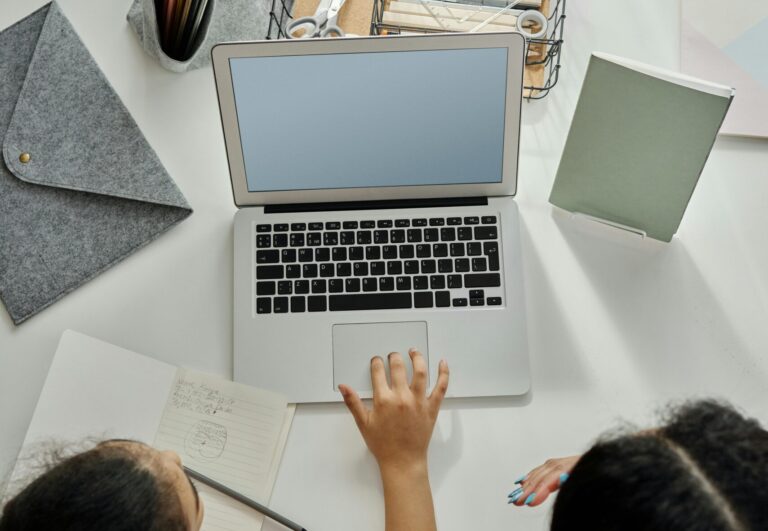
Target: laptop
x=374, y=179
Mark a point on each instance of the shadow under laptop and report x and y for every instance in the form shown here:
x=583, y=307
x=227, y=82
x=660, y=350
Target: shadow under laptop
x=667, y=320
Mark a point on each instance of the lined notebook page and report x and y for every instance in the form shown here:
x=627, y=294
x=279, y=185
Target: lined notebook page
x=229, y=432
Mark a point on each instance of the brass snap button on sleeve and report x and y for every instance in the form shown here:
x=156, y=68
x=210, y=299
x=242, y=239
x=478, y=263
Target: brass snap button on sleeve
x=25, y=157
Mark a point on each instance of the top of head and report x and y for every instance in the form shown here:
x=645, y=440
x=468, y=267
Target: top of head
x=371, y=118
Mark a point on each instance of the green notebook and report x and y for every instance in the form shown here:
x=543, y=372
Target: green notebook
x=637, y=145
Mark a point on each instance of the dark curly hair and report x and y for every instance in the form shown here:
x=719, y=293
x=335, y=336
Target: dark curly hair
x=705, y=469
x=110, y=487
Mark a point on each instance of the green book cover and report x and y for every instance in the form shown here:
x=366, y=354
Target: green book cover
x=638, y=142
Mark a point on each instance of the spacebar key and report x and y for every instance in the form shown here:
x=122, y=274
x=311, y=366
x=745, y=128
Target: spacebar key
x=370, y=301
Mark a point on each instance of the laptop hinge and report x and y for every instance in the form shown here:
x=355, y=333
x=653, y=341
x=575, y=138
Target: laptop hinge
x=376, y=205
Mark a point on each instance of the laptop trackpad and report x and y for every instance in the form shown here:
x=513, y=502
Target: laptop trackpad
x=355, y=344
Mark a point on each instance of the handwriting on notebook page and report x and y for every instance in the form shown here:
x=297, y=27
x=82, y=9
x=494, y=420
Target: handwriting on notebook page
x=225, y=430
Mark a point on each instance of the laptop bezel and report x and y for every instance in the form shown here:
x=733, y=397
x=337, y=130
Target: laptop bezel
x=514, y=42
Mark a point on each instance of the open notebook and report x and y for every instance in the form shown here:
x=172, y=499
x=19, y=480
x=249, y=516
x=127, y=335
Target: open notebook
x=230, y=432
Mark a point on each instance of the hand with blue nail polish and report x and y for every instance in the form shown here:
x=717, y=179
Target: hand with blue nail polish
x=539, y=483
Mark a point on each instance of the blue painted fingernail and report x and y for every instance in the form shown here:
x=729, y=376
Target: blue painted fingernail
x=521, y=479
x=530, y=499
x=514, y=492
x=564, y=477
x=514, y=498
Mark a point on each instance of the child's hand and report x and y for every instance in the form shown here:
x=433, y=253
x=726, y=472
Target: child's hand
x=398, y=428
x=539, y=483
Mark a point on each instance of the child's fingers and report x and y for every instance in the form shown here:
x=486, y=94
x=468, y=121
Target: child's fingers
x=546, y=485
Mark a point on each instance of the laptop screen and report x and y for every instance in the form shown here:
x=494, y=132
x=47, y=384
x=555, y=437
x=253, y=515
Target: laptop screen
x=375, y=119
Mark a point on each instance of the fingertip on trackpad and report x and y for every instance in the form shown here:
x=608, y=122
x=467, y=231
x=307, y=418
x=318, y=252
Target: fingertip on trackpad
x=354, y=345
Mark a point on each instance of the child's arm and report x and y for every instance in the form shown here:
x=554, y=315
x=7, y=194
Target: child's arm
x=397, y=431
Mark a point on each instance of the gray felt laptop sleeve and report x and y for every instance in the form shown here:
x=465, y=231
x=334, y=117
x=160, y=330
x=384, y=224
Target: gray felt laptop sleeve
x=80, y=187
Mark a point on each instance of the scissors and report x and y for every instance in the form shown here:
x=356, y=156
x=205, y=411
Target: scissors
x=322, y=24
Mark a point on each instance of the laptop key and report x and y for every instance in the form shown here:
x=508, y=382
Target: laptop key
x=492, y=252
x=394, y=268
x=372, y=252
x=263, y=241
x=263, y=305
x=267, y=257
x=421, y=282
x=414, y=235
x=403, y=283
x=461, y=265
x=486, y=233
x=448, y=234
x=482, y=280
x=301, y=287
x=293, y=271
x=384, y=223
x=368, y=224
x=349, y=225
x=445, y=265
x=330, y=238
x=423, y=299
x=280, y=240
x=306, y=255
x=406, y=251
x=460, y=302
x=474, y=249
x=380, y=237
x=454, y=281
x=269, y=272
x=326, y=270
x=314, y=239
x=411, y=267
x=431, y=235
x=360, y=269
x=436, y=222
x=370, y=284
x=339, y=254
x=476, y=294
x=454, y=221
x=280, y=304
x=265, y=288
x=476, y=302
x=479, y=264
x=457, y=249
x=398, y=235
x=389, y=252
x=309, y=270
x=386, y=284
x=322, y=254
x=352, y=285
x=402, y=223
x=419, y=222
x=298, y=304
x=281, y=227
x=315, y=226
x=356, y=253
x=316, y=303
x=437, y=282
x=297, y=240
x=428, y=266
x=263, y=228
x=443, y=298
x=344, y=269
x=494, y=301
x=378, y=268
x=319, y=286
x=423, y=251
x=332, y=225
x=347, y=237
x=288, y=256
x=370, y=301
x=335, y=285
x=471, y=220
x=298, y=226
x=440, y=250
x=285, y=287
x=364, y=237
x=464, y=233
x=488, y=220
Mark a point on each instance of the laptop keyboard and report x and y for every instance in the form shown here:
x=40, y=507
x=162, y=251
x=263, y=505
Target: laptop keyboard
x=382, y=264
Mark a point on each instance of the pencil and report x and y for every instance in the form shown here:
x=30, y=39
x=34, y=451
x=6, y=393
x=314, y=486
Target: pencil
x=266, y=511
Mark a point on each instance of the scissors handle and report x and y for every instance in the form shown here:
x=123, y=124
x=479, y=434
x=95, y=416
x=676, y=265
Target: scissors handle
x=332, y=30
x=312, y=26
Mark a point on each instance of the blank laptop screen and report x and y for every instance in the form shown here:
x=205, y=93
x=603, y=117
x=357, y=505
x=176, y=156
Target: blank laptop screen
x=359, y=120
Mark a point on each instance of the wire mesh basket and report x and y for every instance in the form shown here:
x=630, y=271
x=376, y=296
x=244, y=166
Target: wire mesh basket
x=542, y=55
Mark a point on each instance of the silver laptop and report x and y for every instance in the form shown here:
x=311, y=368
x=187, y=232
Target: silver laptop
x=375, y=179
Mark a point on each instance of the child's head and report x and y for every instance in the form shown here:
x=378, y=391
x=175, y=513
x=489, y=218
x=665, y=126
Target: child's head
x=706, y=469
x=118, y=485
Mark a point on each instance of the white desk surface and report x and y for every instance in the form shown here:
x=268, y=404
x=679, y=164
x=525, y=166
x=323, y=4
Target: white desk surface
x=617, y=326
